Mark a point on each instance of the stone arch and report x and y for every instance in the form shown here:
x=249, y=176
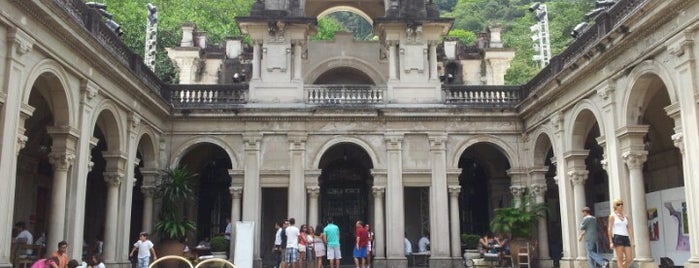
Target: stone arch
x=336, y=62
x=497, y=143
x=57, y=93
x=338, y=140
x=644, y=81
x=191, y=143
x=106, y=117
x=366, y=9
x=582, y=119
x=148, y=145
x=352, y=9
x=542, y=144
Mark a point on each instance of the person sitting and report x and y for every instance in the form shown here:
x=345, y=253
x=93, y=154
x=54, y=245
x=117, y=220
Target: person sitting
x=503, y=242
x=423, y=245
x=408, y=246
x=206, y=243
x=487, y=244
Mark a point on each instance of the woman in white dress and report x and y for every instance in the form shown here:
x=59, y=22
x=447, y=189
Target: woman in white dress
x=621, y=235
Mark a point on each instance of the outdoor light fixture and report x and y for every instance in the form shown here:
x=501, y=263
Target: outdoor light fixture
x=151, y=36
x=580, y=28
x=541, y=35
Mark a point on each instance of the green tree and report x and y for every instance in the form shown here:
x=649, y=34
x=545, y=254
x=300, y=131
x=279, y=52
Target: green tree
x=326, y=29
x=217, y=18
x=466, y=37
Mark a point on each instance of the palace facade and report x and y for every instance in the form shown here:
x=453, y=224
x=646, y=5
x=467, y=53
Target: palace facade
x=409, y=133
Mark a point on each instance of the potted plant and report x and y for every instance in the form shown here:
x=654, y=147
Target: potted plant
x=470, y=243
x=518, y=222
x=219, y=246
x=175, y=190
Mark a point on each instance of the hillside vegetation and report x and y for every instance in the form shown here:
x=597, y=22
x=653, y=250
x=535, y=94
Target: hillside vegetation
x=217, y=18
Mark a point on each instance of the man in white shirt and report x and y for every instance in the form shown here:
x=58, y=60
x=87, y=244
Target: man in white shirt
x=24, y=236
x=424, y=243
x=408, y=246
x=292, y=243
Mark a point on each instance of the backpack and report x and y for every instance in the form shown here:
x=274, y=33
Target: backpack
x=283, y=235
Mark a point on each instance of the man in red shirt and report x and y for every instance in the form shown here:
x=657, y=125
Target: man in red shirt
x=361, y=243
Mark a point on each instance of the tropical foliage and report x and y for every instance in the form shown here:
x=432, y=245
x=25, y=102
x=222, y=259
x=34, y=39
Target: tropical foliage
x=518, y=220
x=175, y=190
x=217, y=18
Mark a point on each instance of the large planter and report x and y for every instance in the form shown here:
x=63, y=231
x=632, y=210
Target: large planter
x=470, y=255
x=167, y=248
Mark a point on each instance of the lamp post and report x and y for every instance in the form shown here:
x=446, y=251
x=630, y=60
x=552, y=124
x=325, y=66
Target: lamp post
x=151, y=36
x=541, y=34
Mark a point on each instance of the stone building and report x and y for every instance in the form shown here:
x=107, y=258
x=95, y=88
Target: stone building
x=348, y=129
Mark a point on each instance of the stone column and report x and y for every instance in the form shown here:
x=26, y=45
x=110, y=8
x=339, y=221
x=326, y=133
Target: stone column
x=12, y=140
x=635, y=155
x=256, y=59
x=539, y=192
x=434, y=75
x=236, y=192
x=298, y=51
x=578, y=178
x=686, y=122
x=251, y=186
x=379, y=225
x=439, y=203
x=297, y=187
x=113, y=180
x=392, y=60
x=454, y=222
x=61, y=158
x=313, y=193
x=394, y=200
x=148, y=193
x=150, y=179
x=61, y=162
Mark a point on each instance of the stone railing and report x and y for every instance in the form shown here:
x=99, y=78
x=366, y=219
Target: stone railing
x=344, y=94
x=208, y=96
x=482, y=96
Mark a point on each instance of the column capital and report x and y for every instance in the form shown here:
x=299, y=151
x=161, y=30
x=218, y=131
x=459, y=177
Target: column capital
x=297, y=141
x=678, y=141
x=252, y=141
x=635, y=159
x=538, y=189
x=313, y=191
x=21, y=142
x=438, y=141
x=517, y=191
x=113, y=179
x=454, y=190
x=21, y=42
x=578, y=176
x=378, y=191
x=61, y=161
x=394, y=141
x=148, y=190
x=235, y=191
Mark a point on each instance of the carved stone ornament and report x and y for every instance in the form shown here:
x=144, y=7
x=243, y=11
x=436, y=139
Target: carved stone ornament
x=148, y=191
x=61, y=161
x=235, y=191
x=578, y=177
x=538, y=189
x=313, y=191
x=21, y=41
x=113, y=179
x=378, y=191
x=635, y=160
x=454, y=190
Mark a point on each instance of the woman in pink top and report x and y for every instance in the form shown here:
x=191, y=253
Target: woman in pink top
x=302, y=244
x=45, y=263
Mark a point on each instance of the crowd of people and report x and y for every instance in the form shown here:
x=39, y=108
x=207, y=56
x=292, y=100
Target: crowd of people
x=296, y=247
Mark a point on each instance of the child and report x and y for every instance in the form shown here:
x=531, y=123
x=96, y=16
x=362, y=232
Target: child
x=145, y=250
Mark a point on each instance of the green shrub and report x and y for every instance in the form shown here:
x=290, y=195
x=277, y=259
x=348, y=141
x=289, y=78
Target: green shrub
x=218, y=244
